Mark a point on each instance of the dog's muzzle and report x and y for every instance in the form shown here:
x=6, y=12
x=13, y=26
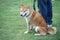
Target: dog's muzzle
x=23, y=15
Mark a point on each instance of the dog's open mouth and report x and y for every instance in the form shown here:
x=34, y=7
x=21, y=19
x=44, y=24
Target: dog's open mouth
x=22, y=16
x=25, y=14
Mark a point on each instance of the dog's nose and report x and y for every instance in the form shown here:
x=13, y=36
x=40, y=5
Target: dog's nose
x=21, y=15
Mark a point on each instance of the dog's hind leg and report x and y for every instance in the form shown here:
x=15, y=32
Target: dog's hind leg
x=39, y=31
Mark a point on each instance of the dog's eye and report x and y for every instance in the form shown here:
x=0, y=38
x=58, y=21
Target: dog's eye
x=24, y=11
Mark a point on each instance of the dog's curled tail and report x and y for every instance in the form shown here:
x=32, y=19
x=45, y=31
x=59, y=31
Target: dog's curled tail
x=52, y=30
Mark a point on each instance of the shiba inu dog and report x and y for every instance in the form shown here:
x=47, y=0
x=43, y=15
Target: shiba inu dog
x=35, y=20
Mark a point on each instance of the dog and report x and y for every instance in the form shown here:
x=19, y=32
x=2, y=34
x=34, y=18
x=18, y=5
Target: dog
x=35, y=20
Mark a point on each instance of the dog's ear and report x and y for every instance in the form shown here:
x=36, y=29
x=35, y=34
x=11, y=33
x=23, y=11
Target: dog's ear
x=24, y=5
x=21, y=5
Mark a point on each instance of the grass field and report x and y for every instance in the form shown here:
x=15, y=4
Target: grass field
x=12, y=27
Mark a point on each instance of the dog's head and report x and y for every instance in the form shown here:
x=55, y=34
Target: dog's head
x=24, y=11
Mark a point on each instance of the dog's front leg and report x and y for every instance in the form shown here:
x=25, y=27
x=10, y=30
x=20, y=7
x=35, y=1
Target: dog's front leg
x=28, y=28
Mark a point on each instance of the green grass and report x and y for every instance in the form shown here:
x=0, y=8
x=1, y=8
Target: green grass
x=12, y=27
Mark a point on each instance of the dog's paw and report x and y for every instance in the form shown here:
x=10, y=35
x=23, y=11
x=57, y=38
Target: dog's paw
x=37, y=34
x=40, y=34
x=26, y=32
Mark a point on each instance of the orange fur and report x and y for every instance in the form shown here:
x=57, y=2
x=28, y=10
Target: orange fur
x=37, y=19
